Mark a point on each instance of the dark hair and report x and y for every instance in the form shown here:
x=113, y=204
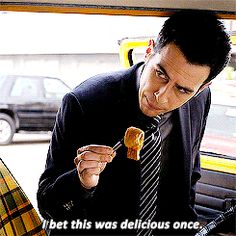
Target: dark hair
x=200, y=36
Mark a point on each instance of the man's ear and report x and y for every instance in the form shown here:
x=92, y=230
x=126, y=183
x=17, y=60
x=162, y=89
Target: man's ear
x=149, y=50
x=204, y=86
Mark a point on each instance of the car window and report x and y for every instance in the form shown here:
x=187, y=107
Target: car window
x=25, y=87
x=54, y=88
x=220, y=135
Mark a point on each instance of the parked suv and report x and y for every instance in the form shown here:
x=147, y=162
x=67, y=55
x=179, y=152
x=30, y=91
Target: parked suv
x=28, y=103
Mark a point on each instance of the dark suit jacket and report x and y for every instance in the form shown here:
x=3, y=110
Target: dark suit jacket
x=98, y=112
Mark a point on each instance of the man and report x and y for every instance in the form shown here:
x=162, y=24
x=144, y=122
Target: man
x=86, y=181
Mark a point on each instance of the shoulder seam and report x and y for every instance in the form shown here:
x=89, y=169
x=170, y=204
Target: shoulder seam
x=77, y=100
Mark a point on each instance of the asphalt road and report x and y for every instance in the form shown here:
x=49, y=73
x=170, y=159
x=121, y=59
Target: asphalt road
x=25, y=158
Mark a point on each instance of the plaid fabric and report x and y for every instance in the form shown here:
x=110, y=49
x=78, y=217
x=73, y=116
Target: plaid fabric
x=17, y=215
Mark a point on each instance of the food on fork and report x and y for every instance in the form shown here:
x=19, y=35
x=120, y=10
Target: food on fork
x=133, y=140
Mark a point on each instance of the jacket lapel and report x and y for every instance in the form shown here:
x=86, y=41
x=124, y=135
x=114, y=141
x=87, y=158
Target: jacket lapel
x=185, y=134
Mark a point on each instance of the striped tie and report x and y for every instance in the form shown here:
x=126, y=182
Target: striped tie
x=150, y=169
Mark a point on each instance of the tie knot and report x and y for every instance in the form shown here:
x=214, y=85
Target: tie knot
x=153, y=124
x=157, y=120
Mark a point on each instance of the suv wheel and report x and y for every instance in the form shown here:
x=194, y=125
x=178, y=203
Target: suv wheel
x=7, y=129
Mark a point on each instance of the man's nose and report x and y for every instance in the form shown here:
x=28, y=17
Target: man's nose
x=162, y=95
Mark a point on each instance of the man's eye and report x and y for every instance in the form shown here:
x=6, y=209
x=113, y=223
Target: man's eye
x=160, y=74
x=184, y=91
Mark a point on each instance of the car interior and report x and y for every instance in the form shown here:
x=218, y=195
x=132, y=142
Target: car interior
x=18, y=216
x=216, y=190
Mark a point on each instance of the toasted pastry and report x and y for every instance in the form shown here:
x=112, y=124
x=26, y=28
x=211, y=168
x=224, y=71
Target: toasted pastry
x=133, y=140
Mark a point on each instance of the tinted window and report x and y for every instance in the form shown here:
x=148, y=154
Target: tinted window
x=54, y=88
x=25, y=87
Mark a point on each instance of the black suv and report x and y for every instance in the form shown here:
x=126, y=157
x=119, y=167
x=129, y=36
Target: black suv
x=28, y=103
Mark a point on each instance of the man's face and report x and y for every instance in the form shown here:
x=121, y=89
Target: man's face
x=168, y=81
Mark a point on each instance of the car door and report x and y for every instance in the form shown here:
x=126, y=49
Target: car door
x=25, y=98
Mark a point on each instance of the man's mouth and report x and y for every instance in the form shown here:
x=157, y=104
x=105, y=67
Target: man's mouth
x=150, y=105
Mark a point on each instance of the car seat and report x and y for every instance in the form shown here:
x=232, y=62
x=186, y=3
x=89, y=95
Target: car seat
x=17, y=215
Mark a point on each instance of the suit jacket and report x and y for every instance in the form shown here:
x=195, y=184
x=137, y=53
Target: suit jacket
x=98, y=112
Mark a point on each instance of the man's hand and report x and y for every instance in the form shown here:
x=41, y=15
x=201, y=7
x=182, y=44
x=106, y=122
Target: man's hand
x=91, y=160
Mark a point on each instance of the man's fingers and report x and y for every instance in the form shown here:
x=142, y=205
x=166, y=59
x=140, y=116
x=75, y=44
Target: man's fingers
x=91, y=156
x=102, y=165
x=76, y=161
x=82, y=165
x=89, y=177
x=90, y=171
x=100, y=149
x=91, y=160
